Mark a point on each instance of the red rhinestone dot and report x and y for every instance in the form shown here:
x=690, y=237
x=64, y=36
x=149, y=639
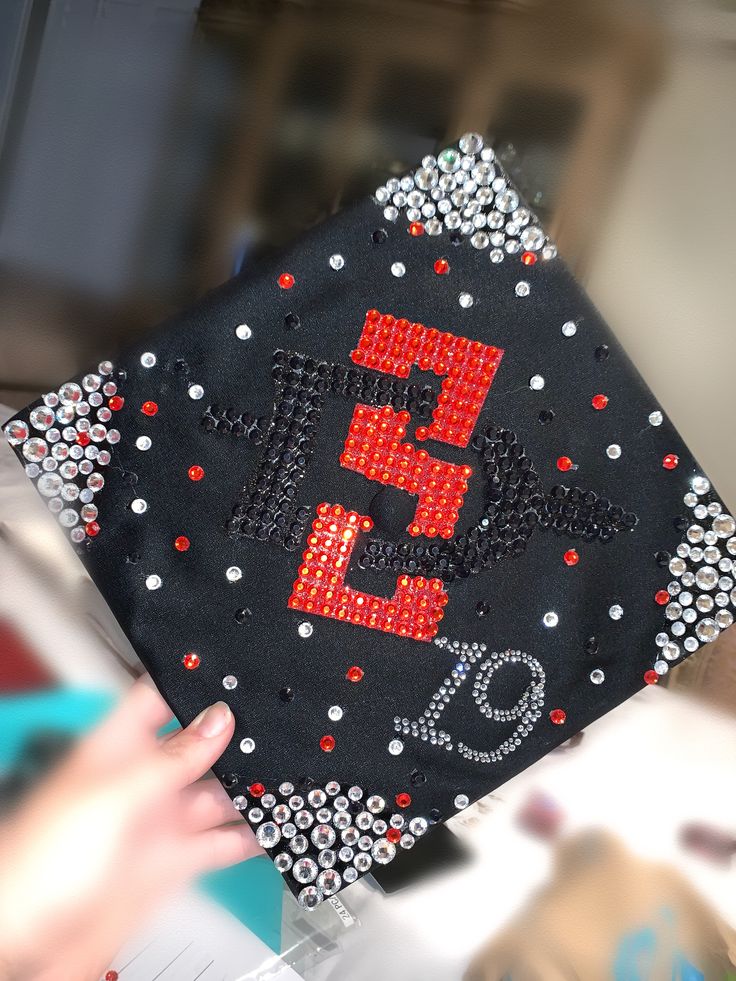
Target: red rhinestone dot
x=286, y=281
x=528, y=258
x=651, y=677
x=393, y=835
x=599, y=401
x=416, y=228
x=182, y=543
x=92, y=529
x=111, y=976
x=571, y=557
x=149, y=408
x=196, y=473
x=355, y=673
x=83, y=439
x=441, y=267
x=564, y=463
x=662, y=597
x=557, y=716
x=256, y=790
x=403, y=799
x=670, y=461
x=191, y=661
x=327, y=744
x=116, y=403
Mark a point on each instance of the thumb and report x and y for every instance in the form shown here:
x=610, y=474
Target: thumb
x=189, y=754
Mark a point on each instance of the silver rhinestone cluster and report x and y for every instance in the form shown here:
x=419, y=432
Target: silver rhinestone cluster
x=328, y=837
x=65, y=472
x=703, y=590
x=465, y=189
x=527, y=709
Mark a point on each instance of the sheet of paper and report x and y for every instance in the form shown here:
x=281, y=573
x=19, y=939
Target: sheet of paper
x=194, y=939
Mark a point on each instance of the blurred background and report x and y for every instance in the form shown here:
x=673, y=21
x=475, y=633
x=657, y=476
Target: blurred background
x=150, y=148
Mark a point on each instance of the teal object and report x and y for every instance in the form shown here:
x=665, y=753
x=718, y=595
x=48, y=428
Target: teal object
x=251, y=891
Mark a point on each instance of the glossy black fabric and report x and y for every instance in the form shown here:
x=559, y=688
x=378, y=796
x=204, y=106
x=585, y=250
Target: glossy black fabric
x=195, y=608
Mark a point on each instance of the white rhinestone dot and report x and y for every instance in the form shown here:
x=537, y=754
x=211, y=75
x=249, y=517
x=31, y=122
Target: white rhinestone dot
x=465, y=300
x=337, y=261
x=398, y=269
x=656, y=418
x=243, y=332
x=229, y=682
x=305, y=629
x=536, y=383
x=196, y=392
x=153, y=582
x=569, y=328
x=234, y=573
x=613, y=452
x=148, y=360
x=247, y=745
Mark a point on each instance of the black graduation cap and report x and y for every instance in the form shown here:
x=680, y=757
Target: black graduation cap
x=400, y=498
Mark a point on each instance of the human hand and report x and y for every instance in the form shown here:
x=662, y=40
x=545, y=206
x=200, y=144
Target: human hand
x=122, y=822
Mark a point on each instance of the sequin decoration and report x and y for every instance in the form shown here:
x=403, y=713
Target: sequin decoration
x=374, y=448
x=527, y=708
x=465, y=193
x=414, y=610
x=84, y=442
x=329, y=839
x=700, y=600
x=392, y=345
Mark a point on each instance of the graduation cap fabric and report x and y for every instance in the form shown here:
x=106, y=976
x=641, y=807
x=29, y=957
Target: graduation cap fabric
x=400, y=498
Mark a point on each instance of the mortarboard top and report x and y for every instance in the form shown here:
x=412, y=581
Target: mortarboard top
x=400, y=498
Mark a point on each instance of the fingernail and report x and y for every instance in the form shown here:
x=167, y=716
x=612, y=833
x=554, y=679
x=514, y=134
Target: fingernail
x=213, y=720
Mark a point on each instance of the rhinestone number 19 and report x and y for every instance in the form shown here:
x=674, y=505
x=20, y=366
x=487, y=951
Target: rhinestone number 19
x=527, y=709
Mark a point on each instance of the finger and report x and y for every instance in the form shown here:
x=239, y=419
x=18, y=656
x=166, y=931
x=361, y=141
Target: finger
x=128, y=730
x=144, y=708
x=205, y=805
x=189, y=754
x=221, y=847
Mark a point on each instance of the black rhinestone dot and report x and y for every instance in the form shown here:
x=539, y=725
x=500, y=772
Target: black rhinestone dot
x=435, y=815
x=417, y=778
x=242, y=615
x=483, y=608
x=180, y=364
x=133, y=558
x=662, y=558
x=229, y=779
x=602, y=352
x=591, y=645
x=379, y=236
x=291, y=321
x=286, y=694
